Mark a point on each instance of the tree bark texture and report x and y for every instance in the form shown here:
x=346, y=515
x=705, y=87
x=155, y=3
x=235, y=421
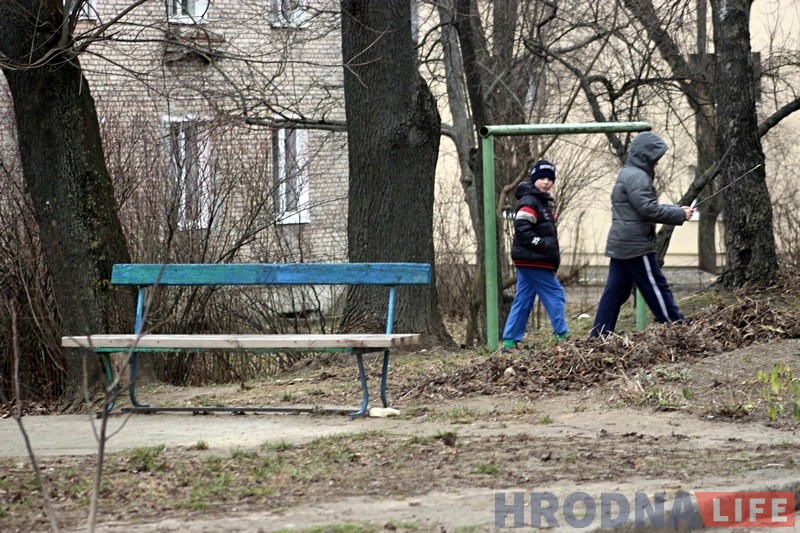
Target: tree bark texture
x=750, y=243
x=464, y=133
x=64, y=169
x=393, y=129
x=709, y=211
x=706, y=148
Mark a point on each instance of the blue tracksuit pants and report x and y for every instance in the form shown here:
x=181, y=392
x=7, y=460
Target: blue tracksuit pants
x=532, y=282
x=623, y=274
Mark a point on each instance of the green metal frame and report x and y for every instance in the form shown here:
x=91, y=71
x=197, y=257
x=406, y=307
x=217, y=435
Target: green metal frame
x=488, y=133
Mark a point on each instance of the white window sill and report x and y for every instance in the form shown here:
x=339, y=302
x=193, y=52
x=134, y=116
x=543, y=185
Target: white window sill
x=187, y=20
x=294, y=218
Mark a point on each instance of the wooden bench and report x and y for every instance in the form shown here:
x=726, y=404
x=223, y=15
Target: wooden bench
x=149, y=276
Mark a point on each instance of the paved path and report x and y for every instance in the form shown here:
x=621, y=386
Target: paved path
x=76, y=434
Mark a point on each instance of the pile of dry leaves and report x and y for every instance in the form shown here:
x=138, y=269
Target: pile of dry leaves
x=581, y=363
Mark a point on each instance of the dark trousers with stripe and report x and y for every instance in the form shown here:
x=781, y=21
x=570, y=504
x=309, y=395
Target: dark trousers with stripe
x=623, y=274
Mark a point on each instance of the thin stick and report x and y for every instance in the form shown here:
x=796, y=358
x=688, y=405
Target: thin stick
x=701, y=202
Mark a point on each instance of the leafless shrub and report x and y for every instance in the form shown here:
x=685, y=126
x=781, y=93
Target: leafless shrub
x=25, y=288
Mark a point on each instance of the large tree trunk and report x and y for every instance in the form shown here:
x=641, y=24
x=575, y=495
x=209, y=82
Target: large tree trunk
x=710, y=210
x=706, y=148
x=393, y=130
x=463, y=136
x=65, y=173
x=749, y=238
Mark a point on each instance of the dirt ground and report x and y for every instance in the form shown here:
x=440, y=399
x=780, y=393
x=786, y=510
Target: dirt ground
x=471, y=425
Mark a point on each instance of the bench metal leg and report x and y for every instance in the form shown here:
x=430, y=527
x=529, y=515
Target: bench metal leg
x=385, y=377
x=363, y=376
x=132, y=387
x=112, y=395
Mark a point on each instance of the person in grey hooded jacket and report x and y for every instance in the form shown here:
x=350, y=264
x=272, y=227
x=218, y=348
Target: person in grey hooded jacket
x=631, y=244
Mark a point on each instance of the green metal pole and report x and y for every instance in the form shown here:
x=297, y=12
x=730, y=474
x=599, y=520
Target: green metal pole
x=490, y=244
x=641, y=311
x=490, y=227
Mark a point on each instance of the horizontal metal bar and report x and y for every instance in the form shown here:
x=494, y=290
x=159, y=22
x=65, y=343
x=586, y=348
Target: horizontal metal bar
x=234, y=409
x=139, y=349
x=554, y=129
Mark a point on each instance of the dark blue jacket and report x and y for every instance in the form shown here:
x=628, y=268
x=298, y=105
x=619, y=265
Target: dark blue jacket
x=535, y=238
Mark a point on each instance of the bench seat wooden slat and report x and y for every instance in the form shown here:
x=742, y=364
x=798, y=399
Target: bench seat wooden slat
x=242, y=342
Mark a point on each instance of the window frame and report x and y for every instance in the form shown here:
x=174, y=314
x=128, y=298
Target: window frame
x=196, y=14
x=296, y=18
x=178, y=172
x=290, y=153
x=88, y=10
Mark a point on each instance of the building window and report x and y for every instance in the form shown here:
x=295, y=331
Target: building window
x=290, y=175
x=86, y=11
x=288, y=13
x=187, y=11
x=189, y=173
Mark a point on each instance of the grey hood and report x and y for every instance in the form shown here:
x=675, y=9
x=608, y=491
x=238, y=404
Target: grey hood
x=646, y=149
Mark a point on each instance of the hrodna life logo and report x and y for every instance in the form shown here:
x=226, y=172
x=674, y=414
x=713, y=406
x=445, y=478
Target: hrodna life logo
x=698, y=510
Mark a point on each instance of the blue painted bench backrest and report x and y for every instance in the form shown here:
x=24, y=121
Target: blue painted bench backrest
x=193, y=274
x=273, y=274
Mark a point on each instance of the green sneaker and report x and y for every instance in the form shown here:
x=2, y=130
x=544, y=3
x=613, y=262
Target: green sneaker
x=559, y=337
x=509, y=345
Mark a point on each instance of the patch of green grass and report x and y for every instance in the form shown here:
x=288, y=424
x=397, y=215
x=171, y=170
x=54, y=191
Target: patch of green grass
x=80, y=489
x=448, y=437
x=267, y=466
x=213, y=463
x=674, y=373
x=205, y=401
x=417, y=440
x=239, y=454
x=414, y=411
x=350, y=386
x=780, y=389
x=663, y=400
x=522, y=408
x=288, y=397
x=280, y=446
x=488, y=469
x=200, y=445
x=544, y=420
x=210, y=486
x=569, y=458
x=734, y=409
x=333, y=450
x=461, y=415
x=148, y=459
